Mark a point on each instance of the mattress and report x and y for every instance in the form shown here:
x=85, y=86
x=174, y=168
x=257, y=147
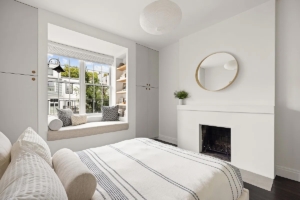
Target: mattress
x=145, y=169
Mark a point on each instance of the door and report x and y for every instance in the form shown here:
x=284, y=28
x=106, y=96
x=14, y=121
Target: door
x=153, y=68
x=18, y=107
x=142, y=76
x=153, y=112
x=141, y=111
x=18, y=38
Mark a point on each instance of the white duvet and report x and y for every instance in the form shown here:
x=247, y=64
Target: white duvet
x=146, y=169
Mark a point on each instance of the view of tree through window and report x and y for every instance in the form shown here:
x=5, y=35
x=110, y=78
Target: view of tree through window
x=97, y=90
x=64, y=88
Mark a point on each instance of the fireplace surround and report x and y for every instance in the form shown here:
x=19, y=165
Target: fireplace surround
x=252, y=133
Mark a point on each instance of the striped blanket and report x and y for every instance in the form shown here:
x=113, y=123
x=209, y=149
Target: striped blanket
x=145, y=169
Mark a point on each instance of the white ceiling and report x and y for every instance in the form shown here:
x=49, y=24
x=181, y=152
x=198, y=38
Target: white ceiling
x=121, y=17
x=72, y=38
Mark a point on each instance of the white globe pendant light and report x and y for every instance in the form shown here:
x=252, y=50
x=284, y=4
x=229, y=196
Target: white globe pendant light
x=160, y=17
x=231, y=65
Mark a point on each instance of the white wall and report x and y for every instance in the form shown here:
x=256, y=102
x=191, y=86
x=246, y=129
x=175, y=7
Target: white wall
x=249, y=37
x=76, y=144
x=287, y=116
x=168, y=83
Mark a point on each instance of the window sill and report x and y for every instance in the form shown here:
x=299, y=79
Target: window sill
x=88, y=129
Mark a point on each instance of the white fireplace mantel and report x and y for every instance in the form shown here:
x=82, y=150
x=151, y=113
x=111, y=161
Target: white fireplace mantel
x=252, y=133
x=229, y=108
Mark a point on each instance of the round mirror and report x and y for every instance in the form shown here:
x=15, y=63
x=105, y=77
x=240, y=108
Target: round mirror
x=217, y=71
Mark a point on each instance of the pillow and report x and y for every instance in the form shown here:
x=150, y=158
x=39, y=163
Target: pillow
x=65, y=116
x=30, y=177
x=31, y=141
x=110, y=113
x=78, y=119
x=5, y=147
x=54, y=123
x=79, y=182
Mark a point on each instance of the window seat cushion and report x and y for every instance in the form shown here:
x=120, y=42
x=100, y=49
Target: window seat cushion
x=92, y=128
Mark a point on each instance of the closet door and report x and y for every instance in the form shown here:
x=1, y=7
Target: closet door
x=153, y=68
x=18, y=38
x=141, y=111
x=142, y=65
x=153, y=113
x=18, y=107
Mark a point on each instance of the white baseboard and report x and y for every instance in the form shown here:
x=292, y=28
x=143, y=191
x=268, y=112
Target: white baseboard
x=168, y=139
x=257, y=180
x=288, y=173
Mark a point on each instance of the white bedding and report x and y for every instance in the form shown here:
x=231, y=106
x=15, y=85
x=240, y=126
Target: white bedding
x=145, y=169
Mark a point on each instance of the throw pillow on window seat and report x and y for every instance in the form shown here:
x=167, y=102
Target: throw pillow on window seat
x=65, y=115
x=54, y=123
x=110, y=113
x=78, y=119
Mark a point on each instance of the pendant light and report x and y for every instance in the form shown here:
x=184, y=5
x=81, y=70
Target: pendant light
x=231, y=65
x=160, y=17
x=54, y=64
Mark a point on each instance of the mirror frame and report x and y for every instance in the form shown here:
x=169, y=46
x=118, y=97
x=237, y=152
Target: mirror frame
x=199, y=66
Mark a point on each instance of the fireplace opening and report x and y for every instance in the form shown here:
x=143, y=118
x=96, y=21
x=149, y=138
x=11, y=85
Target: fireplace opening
x=216, y=142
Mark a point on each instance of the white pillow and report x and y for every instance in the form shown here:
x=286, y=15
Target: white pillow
x=30, y=177
x=5, y=147
x=54, y=123
x=29, y=140
x=79, y=182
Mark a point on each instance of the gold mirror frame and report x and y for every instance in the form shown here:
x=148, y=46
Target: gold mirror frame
x=198, y=68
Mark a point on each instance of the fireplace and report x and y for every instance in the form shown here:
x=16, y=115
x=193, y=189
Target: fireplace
x=216, y=142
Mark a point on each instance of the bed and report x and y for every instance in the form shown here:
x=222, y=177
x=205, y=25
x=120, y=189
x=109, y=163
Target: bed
x=146, y=169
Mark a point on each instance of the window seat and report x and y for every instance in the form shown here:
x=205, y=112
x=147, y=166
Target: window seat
x=91, y=128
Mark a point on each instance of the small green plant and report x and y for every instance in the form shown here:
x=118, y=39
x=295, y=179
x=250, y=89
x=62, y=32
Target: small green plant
x=181, y=94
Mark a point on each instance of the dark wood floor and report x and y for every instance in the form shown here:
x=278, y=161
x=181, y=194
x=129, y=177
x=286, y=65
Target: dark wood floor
x=283, y=189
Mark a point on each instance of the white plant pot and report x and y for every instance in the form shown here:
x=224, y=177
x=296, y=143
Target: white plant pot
x=180, y=102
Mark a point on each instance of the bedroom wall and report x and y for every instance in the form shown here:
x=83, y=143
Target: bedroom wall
x=287, y=117
x=77, y=144
x=243, y=36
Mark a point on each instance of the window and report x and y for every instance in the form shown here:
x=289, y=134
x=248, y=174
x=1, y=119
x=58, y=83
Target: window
x=64, y=88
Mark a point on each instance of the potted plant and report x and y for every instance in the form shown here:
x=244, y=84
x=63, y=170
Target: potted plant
x=181, y=95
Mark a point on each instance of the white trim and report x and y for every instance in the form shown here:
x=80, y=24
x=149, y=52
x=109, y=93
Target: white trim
x=82, y=88
x=289, y=173
x=168, y=139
